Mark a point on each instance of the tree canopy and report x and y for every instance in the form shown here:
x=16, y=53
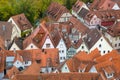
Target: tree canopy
x=33, y=9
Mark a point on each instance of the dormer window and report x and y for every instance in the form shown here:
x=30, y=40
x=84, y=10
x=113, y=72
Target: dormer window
x=109, y=72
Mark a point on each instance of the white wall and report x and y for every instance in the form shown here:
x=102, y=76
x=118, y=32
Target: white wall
x=28, y=64
x=17, y=28
x=65, y=69
x=14, y=47
x=116, y=7
x=105, y=46
x=82, y=49
x=93, y=70
x=65, y=17
x=31, y=46
x=62, y=50
x=18, y=64
x=113, y=40
x=48, y=41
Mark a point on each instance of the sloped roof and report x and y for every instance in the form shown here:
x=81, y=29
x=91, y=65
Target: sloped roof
x=6, y=30
x=76, y=7
x=92, y=37
x=114, y=30
x=59, y=76
x=38, y=37
x=102, y=5
x=78, y=25
x=83, y=12
x=22, y=22
x=43, y=55
x=56, y=10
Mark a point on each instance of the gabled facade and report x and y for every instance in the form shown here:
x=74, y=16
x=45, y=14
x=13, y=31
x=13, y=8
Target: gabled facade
x=96, y=39
x=17, y=44
x=62, y=50
x=79, y=10
x=21, y=24
x=58, y=12
x=105, y=5
x=40, y=38
x=113, y=35
x=48, y=43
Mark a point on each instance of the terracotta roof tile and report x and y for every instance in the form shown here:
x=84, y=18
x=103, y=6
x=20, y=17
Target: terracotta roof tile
x=92, y=37
x=114, y=30
x=55, y=11
x=108, y=56
x=102, y=5
x=22, y=22
x=38, y=37
x=6, y=30
x=60, y=76
x=76, y=7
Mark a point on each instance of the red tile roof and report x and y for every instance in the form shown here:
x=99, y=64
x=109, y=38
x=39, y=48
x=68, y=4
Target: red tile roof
x=55, y=11
x=38, y=37
x=102, y=5
x=59, y=76
x=22, y=22
x=76, y=7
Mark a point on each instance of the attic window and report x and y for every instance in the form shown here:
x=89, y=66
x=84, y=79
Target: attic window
x=48, y=45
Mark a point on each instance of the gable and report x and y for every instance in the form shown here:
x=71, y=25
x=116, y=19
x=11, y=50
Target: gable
x=103, y=46
x=65, y=68
x=116, y=7
x=61, y=44
x=14, y=47
x=31, y=46
x=48, y=43
x=93, y=70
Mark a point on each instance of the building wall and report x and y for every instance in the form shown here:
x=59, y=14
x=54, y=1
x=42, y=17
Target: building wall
x=14, y=33
x=95, y=21
x=18, y=64
x=14, y=47
x=65, y=69
x=82, y=47
x=93, y=70
x=103, y=46
x=17, y=28
x=48, y=41
x=31, y=46
x=65, y=17
x=71, y=52
x=62, y=50
x=116, y=7
x=115, y=41
x=28, y=63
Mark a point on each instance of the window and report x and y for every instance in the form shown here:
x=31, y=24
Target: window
x=115, y=45
x=48, y=45
x=64, y=58
x=108, y=51
x=101, y=39
x=82, y=47
x=119, y=44
x=100, y=45
x=26, y=62
x=65, y=67
x=31, y=46
x=62, y=51
x=60, y=58
x=103, y=51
